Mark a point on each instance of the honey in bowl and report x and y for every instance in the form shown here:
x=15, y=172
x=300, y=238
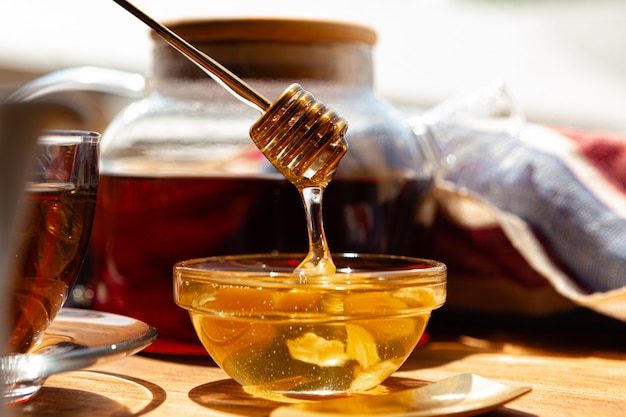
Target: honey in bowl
x=278, y=335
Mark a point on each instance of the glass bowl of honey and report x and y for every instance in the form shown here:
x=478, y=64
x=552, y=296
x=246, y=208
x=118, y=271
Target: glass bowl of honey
x=280, y=333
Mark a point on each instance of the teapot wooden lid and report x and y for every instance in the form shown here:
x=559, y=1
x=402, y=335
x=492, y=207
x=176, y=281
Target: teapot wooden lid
x=271, y=29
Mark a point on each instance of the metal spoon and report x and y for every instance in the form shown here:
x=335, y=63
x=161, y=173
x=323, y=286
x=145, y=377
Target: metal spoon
x=301, y=136
x=459, y=395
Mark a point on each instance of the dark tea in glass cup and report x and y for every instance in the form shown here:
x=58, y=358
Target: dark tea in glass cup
x=55, y=218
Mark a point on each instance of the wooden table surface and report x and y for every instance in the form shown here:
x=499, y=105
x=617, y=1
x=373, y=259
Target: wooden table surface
x=575, y=363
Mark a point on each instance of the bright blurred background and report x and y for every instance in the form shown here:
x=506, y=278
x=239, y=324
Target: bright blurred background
x=563, y=60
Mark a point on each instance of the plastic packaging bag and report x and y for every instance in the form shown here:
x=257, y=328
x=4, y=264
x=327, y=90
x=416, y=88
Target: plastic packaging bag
x=531, y=218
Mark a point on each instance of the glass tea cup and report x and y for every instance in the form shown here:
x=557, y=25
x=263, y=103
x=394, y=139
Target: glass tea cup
x=51, y=239
x=280, y=335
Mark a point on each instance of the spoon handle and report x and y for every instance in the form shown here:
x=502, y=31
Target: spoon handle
x=458, y=395
x=221, y=75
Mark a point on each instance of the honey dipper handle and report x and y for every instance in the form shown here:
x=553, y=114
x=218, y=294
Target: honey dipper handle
x=221, y=75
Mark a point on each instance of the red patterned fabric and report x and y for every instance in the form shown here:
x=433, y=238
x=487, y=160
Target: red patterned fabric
x=534, y=223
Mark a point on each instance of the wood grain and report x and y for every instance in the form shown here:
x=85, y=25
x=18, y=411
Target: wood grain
x=588, y=378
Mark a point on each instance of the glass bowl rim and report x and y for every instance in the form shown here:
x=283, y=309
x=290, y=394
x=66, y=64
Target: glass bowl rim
x=199, y=269
x=65, y=137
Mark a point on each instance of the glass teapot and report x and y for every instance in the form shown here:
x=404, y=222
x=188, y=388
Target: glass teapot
x=180, y=177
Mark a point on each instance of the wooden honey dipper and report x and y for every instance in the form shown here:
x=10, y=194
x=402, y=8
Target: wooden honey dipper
x=301, y=136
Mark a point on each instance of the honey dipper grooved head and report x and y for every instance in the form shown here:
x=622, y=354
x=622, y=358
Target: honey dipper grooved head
x=301, y=137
